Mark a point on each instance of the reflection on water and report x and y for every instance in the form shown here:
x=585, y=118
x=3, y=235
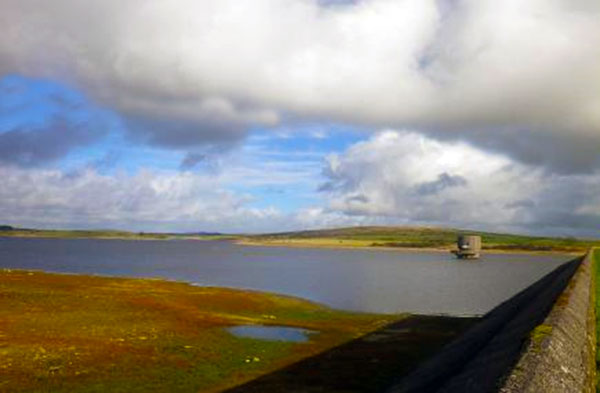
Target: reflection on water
x=362, y=280
x=274, y=333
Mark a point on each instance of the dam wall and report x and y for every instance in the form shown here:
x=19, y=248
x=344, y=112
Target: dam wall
x=540, y=340
x=560, y=355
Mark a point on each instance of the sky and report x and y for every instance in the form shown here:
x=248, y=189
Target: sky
x=276, y=115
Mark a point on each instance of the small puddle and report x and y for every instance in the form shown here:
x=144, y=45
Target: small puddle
x=273, y=333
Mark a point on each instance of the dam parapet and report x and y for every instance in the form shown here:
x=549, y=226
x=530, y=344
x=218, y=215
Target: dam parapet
x=560, y=355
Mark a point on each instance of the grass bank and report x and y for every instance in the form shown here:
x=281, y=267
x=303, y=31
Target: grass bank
x=71, y=333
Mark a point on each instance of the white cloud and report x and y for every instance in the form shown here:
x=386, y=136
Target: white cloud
x=216, y=66
x=248, y=189
x=393, y=178
x=404, y=177
x=503, y=98
x=146, y=200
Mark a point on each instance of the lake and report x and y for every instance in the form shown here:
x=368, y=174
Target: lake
x=385, y=281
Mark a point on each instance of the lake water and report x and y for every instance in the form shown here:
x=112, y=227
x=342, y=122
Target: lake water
x=271, y=333
x=385, y=281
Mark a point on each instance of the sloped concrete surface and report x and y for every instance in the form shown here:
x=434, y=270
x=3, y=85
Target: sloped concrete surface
x=481, y=359
x=560, y=355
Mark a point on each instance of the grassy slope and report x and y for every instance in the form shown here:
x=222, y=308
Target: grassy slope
x=409, y=237
x=68, y=333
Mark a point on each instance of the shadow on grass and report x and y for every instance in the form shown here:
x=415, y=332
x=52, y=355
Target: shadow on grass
x=370, y=363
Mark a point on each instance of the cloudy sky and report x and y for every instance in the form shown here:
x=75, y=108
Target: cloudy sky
x=268, y=115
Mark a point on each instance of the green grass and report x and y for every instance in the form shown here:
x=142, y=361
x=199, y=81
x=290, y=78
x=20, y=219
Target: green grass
x=419, y=237
x=70, y=333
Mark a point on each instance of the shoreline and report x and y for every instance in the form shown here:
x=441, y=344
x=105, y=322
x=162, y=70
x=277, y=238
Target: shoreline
x=74, y=331
x=291, y=243
x=247, y=291
x=113, y=237
x=325, y=242
x=300, y=244
x=100, y=237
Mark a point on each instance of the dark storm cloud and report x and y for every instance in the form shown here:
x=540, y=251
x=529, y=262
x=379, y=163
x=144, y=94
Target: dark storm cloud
x=500, y=67
x=570, y=202
x=516, y=79
x=183, y=134
x=41, y=122
x=333, y=3
x=443, y=181
x=358, y=198
x=521, y=203
x=36, y=146
x=189, y=125
x=564, y=153
x=562, y=222
x=391, y=173
x=191, y=160
x=200, y=139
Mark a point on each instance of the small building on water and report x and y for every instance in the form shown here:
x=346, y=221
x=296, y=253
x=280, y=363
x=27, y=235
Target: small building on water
x=469, y=247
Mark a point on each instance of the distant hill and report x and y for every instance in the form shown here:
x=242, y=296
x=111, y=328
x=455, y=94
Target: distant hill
x=7, y=230
x=197, y=233
x=363, y=236
x=419, y=237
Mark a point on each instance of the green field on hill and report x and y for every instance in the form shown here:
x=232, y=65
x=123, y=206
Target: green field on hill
x=419, y=237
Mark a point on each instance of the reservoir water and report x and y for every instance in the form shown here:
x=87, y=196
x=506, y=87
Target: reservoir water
x=385, y=281
x=271, y=333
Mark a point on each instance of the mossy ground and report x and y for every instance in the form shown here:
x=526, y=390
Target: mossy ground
x=69, y=333
x=538, y=334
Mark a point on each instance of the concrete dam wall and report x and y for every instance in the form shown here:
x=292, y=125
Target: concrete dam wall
x=540, y=340
x=561, y=354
